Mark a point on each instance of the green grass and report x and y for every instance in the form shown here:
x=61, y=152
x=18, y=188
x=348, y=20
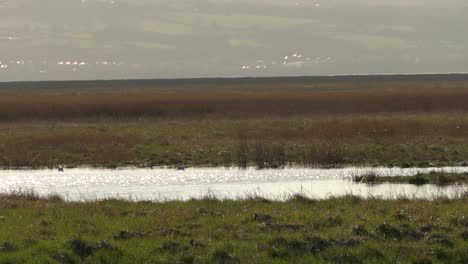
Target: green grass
x=420, y=179
x=337, y=230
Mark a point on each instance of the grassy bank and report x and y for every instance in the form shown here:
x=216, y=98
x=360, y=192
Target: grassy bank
x=417, y=139
x=420, y=179
x=338, y=230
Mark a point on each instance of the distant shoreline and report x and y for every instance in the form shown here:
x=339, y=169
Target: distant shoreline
x=240, y=80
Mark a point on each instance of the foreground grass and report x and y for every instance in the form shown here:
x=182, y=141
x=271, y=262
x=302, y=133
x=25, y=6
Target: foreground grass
x=408, y=139
x=420, y=179
x=338, y=230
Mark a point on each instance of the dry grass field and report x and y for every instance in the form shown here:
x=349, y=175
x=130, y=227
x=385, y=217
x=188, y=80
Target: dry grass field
x=217, y=104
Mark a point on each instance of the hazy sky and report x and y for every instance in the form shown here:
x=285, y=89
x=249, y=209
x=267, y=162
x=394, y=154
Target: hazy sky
x=113, y=39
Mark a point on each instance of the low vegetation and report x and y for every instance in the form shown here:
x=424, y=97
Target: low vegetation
x=419, y=179
x=300, y=230
x=243, y=103
x=405, y=140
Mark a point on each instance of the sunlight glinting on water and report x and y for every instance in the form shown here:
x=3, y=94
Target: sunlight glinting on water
x=170, y=184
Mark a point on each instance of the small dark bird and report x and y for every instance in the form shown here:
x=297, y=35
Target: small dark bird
x=181, y=168
x=195, y=243
x=60, y=168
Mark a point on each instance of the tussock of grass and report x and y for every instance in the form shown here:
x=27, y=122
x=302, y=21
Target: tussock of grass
x=345, y=230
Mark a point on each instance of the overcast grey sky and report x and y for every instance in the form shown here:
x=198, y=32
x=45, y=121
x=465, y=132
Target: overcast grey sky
x=121, y=39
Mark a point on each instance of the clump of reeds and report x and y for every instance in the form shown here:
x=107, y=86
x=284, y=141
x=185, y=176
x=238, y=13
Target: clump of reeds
x=324, y=153
x=263, y=155
x=27, y=195
x=269, y=155
x=371, y=178
x=23, y=194
x=243, y=152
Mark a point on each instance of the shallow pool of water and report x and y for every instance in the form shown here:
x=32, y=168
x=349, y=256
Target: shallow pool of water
x=169, y=184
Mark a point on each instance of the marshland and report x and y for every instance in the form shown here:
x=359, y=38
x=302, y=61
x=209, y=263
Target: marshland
x=351, y=169
x=404, y=121
x=102, y=160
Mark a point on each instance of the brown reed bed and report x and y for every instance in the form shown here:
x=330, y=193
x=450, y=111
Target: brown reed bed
x=189, y=105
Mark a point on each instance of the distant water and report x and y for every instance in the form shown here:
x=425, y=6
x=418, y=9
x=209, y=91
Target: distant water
x=170, y=184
